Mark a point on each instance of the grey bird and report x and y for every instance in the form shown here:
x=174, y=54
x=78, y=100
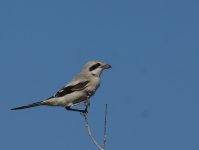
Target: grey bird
x=78, y=90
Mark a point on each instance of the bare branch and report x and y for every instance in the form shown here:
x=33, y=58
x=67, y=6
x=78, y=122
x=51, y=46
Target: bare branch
x=90, y=133
x=105, y=120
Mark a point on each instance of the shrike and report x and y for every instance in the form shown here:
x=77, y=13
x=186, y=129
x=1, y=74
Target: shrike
x=80, y=89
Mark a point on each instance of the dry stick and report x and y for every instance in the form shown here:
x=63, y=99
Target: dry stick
x=90, y=133
x=103, y=146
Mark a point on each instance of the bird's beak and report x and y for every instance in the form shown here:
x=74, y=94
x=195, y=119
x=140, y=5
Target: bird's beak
x=106, y=66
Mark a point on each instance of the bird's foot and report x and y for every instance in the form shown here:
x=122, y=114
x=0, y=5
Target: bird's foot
x=85, y=111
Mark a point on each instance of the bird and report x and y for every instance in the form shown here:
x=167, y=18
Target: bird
x=80, y=89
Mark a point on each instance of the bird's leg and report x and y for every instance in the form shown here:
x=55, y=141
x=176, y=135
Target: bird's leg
x=87, y=104
x=77, y=110
x=85, y=111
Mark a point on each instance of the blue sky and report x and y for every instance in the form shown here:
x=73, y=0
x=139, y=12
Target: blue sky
x=151, y=91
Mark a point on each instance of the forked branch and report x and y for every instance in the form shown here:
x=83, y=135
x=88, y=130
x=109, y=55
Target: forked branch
x=85, y=115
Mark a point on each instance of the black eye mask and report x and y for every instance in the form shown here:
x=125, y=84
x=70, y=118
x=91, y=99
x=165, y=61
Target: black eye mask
x=94, y=67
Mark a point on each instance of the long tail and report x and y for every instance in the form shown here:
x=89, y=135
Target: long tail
x=28, y=106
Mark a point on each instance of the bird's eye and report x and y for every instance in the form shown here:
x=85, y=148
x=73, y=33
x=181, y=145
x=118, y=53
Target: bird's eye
x=94, y=66
x=97, y=64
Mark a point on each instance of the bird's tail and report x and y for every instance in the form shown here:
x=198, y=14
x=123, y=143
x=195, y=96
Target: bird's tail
x=29, y=105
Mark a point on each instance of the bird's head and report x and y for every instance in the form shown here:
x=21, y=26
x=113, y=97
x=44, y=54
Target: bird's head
x=95, y=68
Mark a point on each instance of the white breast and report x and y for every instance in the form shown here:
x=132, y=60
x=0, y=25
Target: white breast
x=93, y=85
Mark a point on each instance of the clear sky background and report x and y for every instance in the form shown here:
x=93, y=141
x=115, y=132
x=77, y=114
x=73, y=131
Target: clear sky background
x=151, y=91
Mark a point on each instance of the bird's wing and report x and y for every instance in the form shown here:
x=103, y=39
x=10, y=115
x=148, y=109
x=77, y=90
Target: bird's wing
x=75, y=86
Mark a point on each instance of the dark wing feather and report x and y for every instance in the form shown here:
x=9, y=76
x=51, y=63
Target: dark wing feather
x=71, y=88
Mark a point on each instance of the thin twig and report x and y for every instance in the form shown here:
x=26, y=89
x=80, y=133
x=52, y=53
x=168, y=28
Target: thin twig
x=105, y=120
x=90, y=133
